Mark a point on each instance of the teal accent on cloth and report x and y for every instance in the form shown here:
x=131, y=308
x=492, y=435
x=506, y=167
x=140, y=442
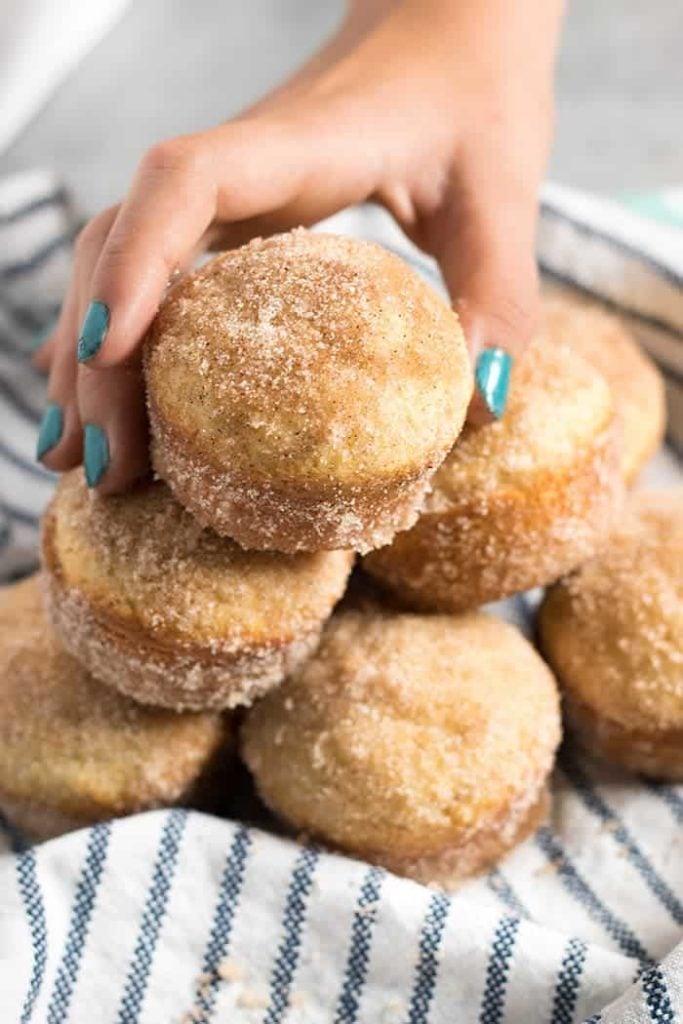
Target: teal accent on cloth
x=93, y=331
x=95, y=454
x=666, y=207
x=51, y=427
x=492, y=375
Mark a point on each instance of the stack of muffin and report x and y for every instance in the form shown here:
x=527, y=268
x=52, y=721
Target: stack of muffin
x=307, y=396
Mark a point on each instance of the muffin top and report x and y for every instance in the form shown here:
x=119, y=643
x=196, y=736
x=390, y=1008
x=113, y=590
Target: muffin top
x=605, y=342
x=310, y=359
x=404, y=731
x=70, y=743
x=559, y=408
x=614, y=628
x=142, y=558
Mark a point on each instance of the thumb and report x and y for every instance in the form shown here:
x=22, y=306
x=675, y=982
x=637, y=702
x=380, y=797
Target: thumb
x=487, y=258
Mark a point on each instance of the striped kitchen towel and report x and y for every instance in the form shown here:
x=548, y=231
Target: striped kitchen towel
x=174, y=916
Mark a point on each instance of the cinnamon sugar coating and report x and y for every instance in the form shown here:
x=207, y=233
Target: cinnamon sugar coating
x=174, y=615
x=519, y=502
x=302, y=390
x=422, y=743
x=72, y=751
x=613, y=630
x=610, y=347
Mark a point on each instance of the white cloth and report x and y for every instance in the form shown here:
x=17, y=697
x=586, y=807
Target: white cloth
x=41, y=41
x=164, y=914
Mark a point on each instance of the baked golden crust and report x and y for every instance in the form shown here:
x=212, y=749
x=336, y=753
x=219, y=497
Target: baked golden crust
x=613, y=631
x=423, y=743
x=72, y=751
x=174, y=615
x=520, y=502
x=604, y=341
x=302, y=390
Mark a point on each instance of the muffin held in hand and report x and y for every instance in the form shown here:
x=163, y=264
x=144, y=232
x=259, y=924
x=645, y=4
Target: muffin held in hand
x=519, y=502
x=73, y=752
x=613, y=631
x=609, y=346
x=174, y=615
x=302, y=391
x=422, y=743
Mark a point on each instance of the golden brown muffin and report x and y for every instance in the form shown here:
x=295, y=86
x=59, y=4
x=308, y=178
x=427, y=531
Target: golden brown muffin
x=302, y=391
x=637, y=385
x=422, y=743
x=174, y=615
x=519, y=502
x=72, y=751
x=613, y=631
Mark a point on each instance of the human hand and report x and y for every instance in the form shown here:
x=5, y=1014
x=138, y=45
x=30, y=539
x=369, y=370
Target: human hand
x=438, y=109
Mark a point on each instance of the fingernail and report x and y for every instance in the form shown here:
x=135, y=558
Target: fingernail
x=93, y=331
x=493, y=379
x=51, y=427
x=95, y=454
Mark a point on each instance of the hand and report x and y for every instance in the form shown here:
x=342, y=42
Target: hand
x=438, y=109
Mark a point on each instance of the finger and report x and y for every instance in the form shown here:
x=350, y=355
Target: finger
x=60, y=435
x=242, y=172
x=43, y=355
x=112, y=408
x=487, y=256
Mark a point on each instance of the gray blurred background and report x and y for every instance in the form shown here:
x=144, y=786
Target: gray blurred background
x=171, y=66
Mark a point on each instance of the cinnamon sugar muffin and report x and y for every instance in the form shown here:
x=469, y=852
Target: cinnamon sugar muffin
x=302, y=391
x=609, y=346
x=422, y=743
x=613, y=630
x=519, y=502
x=72, y=751
x=174, y=615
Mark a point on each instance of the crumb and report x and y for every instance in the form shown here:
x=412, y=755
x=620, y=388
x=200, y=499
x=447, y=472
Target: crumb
x=229, y=970
x=250, y=1000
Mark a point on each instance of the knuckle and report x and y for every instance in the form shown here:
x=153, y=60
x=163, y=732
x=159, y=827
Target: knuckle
x=514, y=316
x=89, y=239
x=178, y=156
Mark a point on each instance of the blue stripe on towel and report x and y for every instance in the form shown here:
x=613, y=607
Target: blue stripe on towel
x=498, y=884
x=616, y=244
x=152, y=917
x=223, y=917
x=20, y=515
x=29, y=466
x=15, y=399
x=359, y=949
x=668, y=795
x=292, y=924
x=597, y=806
x=81, y=912
x=41, y=256
x=582, y=892
x=646, y=319
x=32, y=898
x=657, y=997
x=15, y=839
x=493, y=1000
x=568, y=982
x=54, y=198
x=427, y=971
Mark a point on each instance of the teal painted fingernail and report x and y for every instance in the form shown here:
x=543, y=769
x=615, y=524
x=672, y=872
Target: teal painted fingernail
x=493, y=379
x=95, y=454
x=93, y=331
x=51, y=427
